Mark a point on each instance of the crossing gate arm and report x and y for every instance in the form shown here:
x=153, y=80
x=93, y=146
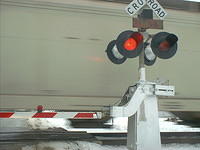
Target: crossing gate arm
x=51, y=114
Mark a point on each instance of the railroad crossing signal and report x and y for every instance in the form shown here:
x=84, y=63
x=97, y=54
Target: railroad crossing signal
x=136, y=5
x=130, y=44
x=141, y=109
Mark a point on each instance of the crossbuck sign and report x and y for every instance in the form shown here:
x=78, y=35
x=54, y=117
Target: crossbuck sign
x=136, y=5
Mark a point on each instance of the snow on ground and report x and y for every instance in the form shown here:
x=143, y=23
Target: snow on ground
x=119, y=125
x=181, y=147
x=46, y=123
x=168, y=126
x=165, y=126
x=79, y=145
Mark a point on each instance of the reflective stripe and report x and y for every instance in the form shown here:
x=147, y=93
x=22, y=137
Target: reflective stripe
x=6, y=114
x=44, y=115
x=84, y=115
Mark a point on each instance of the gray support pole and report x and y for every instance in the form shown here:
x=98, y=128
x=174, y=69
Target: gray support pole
x=143, y=126
x=141, y=57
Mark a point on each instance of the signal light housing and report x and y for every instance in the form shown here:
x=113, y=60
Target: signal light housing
x=113, y=53
x=149, y=56
x=130, y=43
x=164, y=45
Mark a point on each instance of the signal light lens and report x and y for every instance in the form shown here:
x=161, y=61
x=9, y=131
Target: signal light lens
x=130, y=44
x=133, y=42
x=171, y=39
x=164, y=45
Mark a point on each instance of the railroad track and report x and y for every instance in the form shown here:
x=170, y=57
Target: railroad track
x=166, y=138
x=35, y=136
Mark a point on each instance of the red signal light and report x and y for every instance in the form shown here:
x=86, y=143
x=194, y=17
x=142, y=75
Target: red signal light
x=164, y=46
x=133, y=42
x=171, y=39
x=130, y=44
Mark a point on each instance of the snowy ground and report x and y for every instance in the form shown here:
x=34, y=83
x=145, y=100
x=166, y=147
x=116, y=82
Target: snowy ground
x=37, y=123
x=119, y=125
x=79, y=145
x=93, y=146
x=168, y=126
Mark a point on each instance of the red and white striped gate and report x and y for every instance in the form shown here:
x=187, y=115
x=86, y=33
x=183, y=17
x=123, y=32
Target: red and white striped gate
x=49, y=114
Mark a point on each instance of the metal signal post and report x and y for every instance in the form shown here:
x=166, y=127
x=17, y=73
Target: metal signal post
x=143, y=126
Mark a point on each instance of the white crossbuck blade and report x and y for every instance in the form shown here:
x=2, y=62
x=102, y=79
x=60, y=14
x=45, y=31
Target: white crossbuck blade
x=136, y=5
